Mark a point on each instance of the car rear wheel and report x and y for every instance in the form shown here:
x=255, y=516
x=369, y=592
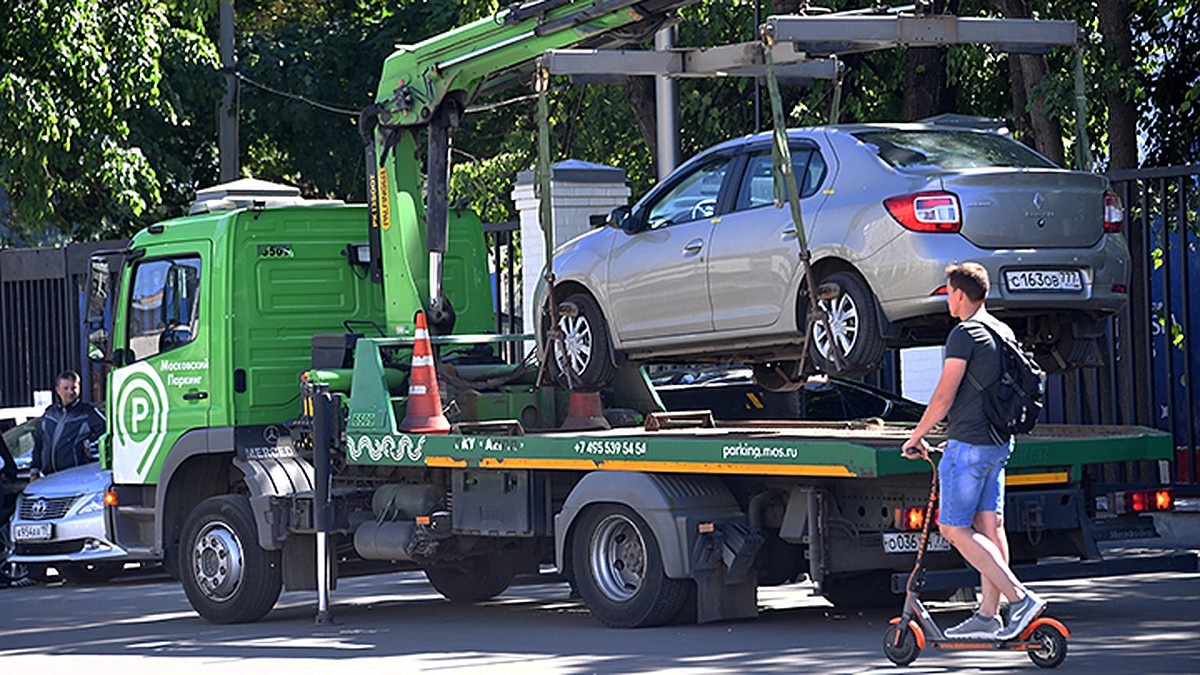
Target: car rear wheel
x=585, y=348
x=853, y=328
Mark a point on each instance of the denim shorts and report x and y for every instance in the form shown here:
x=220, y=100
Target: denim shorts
x=971, y=480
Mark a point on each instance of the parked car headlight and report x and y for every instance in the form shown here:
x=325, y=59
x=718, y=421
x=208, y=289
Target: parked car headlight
x=93, y=504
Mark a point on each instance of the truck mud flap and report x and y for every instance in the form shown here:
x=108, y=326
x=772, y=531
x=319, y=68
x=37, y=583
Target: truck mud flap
x=968, y=578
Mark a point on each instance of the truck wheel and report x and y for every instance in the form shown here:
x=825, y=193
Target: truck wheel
x=83, y=574
x=854, y=326
x=619, y=570
x=585, y=349
x=472, y=580
x=227, y=577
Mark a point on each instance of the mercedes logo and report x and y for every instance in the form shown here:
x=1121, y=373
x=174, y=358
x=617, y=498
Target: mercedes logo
x=271, y=434
x=1037, y=200
x=39, y=508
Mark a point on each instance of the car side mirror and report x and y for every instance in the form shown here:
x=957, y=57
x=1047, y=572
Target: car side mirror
x=622, y=219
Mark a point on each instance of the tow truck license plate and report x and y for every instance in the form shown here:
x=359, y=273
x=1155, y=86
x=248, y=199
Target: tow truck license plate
x=1021, y=281
x=32, y=532
x=907, y=542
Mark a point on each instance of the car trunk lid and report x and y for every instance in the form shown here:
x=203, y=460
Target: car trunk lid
x=1023, y=208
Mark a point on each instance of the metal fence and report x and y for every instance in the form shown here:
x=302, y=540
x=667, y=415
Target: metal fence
x=40, y=311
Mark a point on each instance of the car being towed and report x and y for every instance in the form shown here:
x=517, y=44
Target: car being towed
x=705, y=267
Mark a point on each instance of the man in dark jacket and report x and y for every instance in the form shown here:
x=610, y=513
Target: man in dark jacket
x=66, y=428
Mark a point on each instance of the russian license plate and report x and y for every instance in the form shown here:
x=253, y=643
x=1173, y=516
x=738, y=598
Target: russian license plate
x=32, y=532
x=1025, y=281
x=908, y=542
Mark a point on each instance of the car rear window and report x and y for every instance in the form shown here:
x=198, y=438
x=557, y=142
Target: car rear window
x=951, y=149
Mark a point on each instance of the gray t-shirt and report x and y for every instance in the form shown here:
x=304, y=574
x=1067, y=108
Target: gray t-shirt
x=976, y=345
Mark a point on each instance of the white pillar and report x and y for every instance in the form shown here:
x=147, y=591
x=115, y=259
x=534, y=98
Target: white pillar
x=578, y=190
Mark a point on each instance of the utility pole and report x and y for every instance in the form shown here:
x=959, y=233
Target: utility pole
x=227, y=117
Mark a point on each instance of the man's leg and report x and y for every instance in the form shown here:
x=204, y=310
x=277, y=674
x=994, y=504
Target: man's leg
x=991, y=525
x=984, y=556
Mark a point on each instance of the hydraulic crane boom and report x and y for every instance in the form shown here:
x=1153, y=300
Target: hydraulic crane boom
x=429, y=85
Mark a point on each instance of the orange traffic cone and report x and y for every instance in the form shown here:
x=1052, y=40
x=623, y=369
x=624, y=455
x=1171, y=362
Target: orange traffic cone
x=424, y=411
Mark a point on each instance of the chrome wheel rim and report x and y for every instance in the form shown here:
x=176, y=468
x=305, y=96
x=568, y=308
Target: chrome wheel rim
x=842, y=313
x=618, y=558
x=217, y=562
x=575, y=351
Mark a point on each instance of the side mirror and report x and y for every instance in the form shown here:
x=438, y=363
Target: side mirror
x=621, y=218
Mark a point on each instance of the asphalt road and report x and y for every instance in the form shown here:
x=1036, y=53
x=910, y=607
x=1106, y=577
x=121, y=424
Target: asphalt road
x=141, y=624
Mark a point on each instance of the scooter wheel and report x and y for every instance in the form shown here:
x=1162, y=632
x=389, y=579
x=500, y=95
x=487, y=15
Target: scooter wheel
x=1053, y=646
x=900, y=644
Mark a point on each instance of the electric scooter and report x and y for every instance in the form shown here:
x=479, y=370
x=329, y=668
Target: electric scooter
x=1044, y=640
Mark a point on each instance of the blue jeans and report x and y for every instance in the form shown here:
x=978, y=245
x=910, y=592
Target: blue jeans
x=971, y=480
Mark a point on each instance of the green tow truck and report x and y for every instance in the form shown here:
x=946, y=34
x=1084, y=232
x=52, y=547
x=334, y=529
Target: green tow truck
x=243, y=480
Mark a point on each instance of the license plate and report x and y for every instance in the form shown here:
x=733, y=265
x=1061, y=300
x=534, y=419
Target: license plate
x=32, y=532
x=1025, y=281
x=908, y=542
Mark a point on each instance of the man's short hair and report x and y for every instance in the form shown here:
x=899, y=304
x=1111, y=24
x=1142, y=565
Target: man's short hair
x=67, y=375
x=970, y=278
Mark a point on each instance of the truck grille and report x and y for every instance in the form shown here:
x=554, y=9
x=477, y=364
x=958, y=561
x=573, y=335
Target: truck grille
x=45, y=508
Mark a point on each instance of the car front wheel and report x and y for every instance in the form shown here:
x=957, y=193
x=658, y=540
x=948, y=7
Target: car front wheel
x=582, y=360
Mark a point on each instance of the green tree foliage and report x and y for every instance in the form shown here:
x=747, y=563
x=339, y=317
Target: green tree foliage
x=81, y=89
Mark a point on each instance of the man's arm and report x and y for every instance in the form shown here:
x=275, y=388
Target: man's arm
x=939, y=404
x=96, y=423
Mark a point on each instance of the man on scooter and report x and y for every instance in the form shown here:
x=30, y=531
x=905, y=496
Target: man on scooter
x=971, y=471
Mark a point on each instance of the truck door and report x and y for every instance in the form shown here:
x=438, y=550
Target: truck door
x=161, y=385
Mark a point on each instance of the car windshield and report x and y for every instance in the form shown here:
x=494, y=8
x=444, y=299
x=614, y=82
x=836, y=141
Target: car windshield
x=951, y=149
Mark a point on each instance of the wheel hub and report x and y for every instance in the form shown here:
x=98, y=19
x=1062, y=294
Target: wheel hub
x=217, y=562
x=842, y=314
x=577, y=343
x=618, y=558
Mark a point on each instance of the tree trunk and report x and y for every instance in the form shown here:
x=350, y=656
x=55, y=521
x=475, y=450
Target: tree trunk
x=1122, y=108
x=1047, y=133
x=925, y=92
x=640, y=93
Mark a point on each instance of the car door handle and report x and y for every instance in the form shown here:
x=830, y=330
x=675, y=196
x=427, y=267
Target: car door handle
x=789, y=231
x=694, y=246
x=195, y=396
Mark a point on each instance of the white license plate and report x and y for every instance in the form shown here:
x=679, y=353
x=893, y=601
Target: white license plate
x=32, y=532
x=908, y=542
x=1022, y=281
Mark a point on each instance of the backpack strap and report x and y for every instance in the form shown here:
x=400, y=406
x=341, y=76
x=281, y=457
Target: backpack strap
x=999, y=345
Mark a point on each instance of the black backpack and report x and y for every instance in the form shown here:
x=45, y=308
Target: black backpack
x=1014, y=400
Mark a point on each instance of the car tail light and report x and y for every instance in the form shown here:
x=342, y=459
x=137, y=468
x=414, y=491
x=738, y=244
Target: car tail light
x=1114, y=214
x=1142, y=501
x=926, y=211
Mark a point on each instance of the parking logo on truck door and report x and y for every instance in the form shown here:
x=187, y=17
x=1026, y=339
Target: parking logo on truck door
x=141, y=421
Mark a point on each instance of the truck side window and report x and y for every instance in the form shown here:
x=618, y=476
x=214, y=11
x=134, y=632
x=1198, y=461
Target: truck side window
x=163, y=306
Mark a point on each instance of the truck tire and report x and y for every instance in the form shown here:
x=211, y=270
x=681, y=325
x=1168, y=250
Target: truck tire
x=472, y=580
x=83, y=574
x=227, y=577
x=619, y=571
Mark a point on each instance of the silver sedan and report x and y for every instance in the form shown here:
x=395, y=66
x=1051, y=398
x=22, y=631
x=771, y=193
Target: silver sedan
x=705, y=267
